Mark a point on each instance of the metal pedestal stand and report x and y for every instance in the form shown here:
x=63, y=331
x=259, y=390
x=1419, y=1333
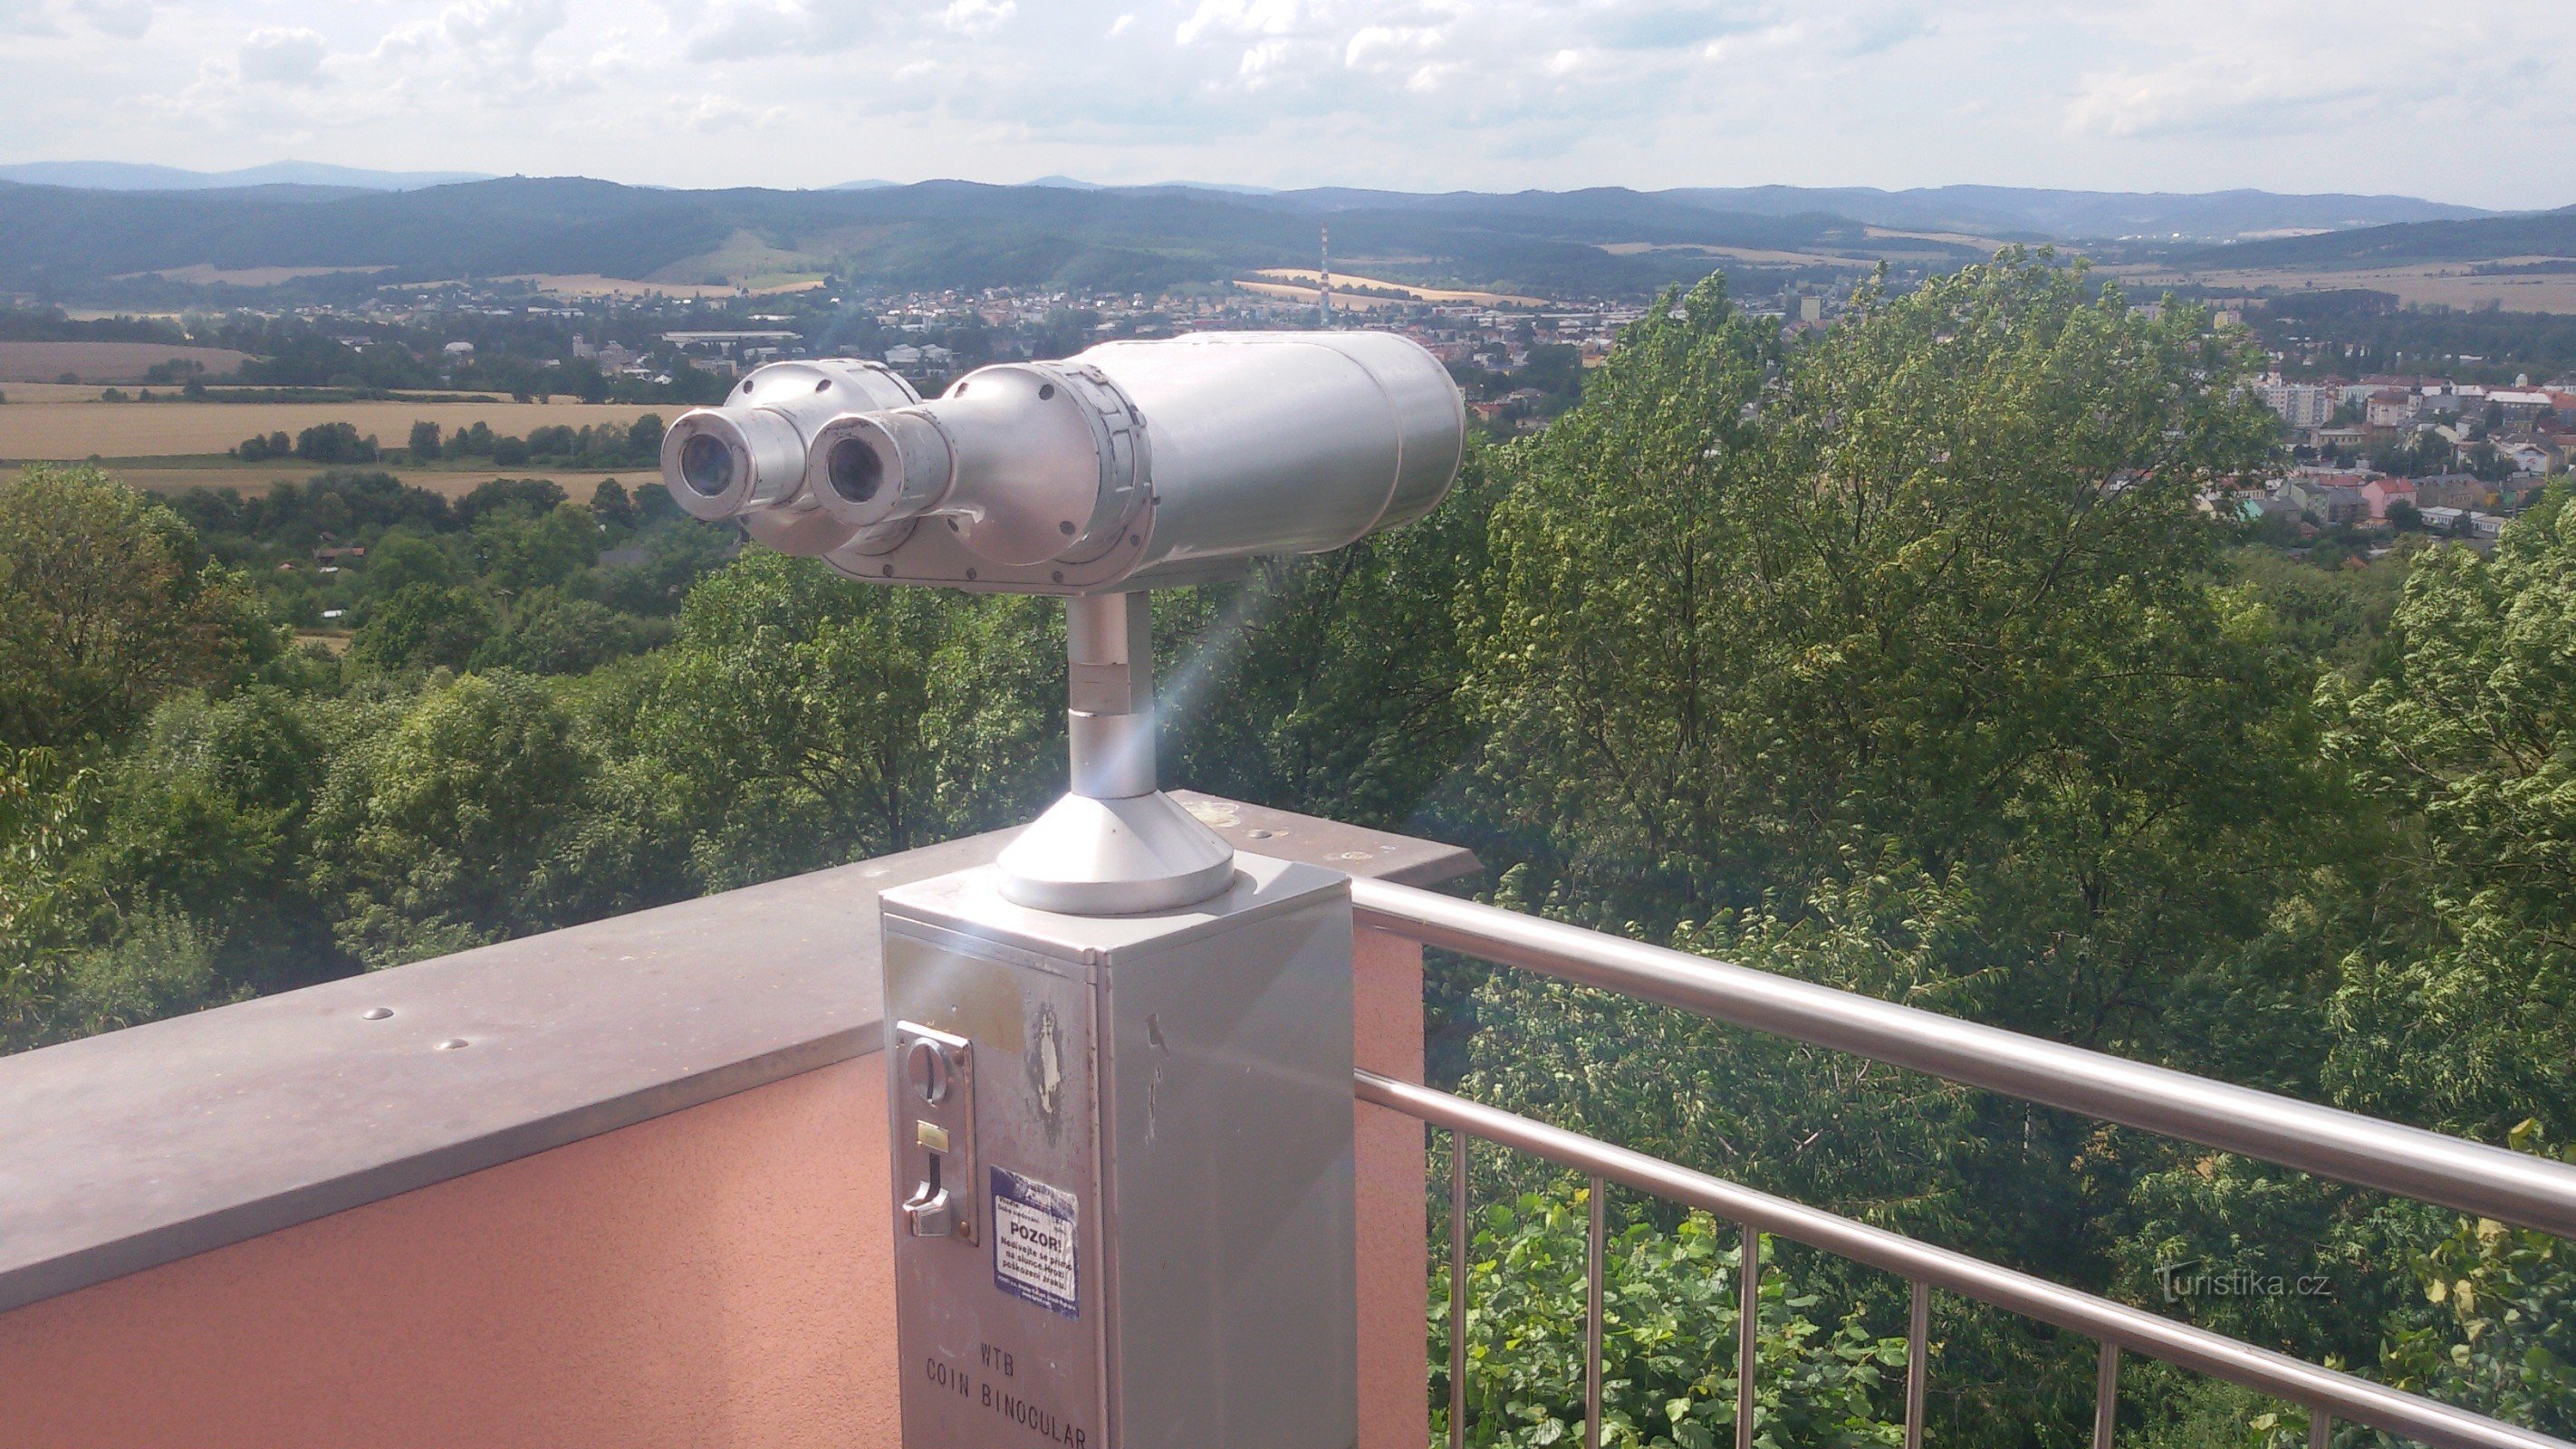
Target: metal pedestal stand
x=1115, y=845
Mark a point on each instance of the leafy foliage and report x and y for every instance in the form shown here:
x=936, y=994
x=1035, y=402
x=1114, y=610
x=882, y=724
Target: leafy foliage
x=105, y=605
x=2508, y=1349
x=1670, y=1303
x=2462, y=1008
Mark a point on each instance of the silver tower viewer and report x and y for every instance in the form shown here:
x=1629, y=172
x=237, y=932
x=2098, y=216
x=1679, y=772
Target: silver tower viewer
x=1132, y=465
x=1119, y=1060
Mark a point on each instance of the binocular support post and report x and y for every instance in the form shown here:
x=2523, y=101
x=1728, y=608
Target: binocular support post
x=1114, y=845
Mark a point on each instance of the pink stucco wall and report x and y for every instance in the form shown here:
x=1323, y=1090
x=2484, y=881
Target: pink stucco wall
x=715, y=1277
x=718, y=1276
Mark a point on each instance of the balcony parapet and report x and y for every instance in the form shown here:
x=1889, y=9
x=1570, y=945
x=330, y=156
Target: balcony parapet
x=137, y=1148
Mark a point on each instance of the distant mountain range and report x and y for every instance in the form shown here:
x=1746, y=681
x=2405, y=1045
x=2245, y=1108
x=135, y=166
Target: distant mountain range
x=93, y=243
x=124, y=176
x=81, y=244
x=2545, y=234
x=2088, y=215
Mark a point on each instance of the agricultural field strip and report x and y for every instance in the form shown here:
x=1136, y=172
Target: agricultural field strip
x=69, y=430
x=1303, y=278
x=2450, y=284
x=106, y=361
x=252, y=480
x=592, y=284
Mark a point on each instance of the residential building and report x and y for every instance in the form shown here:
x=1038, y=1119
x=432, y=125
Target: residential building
x=2452, y=490
x=2521, y=409
x=2379, y=493
x=2303, y=406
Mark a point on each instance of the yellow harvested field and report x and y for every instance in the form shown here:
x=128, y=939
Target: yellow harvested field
x=208, y=274
x=1308, y=276
x=107, y=361
x=1754, y=256
x=250, y=480
x=2446, y=283
x=1949, y=238
x=145, y=430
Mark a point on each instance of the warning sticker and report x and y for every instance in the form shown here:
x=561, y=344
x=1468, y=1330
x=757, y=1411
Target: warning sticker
x=1033, y=1241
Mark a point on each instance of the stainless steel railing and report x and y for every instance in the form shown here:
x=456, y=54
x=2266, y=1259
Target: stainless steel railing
x=2325, y=1392
x=2510, y=1186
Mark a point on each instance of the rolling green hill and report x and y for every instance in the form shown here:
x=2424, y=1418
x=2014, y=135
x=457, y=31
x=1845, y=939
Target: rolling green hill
x=63, y=244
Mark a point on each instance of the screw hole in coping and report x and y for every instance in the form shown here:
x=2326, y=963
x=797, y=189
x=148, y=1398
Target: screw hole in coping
x=1046, y=392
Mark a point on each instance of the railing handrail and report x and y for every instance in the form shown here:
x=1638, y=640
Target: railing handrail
x=2512, y=1187
x=2321, y=1390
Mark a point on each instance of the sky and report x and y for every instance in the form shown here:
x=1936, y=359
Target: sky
x=2467, y=102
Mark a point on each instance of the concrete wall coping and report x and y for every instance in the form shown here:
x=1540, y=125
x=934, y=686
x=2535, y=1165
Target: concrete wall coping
x=124, y=1151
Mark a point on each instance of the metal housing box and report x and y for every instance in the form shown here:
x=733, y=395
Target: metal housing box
x=1156, y=1249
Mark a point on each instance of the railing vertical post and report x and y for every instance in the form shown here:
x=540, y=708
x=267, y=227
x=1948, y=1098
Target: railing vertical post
x=2106, y=1396
x=1457, y=1289
x=1592, y=1321
x=2320, y=1428
x=1918, y=1354
x=1748, y=1327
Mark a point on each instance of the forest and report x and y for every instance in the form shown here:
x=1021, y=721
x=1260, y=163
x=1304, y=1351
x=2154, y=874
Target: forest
x=1897, y=658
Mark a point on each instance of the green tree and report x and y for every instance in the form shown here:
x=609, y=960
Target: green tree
x=2495, y=1330
x=461, y=822
x=423, y=626
x=1899, y=660
x=200, y=831
x=2461, y=1010
x=610, y=504
x=1670, y=1329
x=402, y=558
x=515, y=551
x=334, y=443
x=801, y=720
x=548, y=632
x=39, y=825
x=423, y=446
x=106, y=604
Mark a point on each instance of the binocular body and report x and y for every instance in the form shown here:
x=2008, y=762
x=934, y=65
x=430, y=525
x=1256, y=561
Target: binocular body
x=1132, y=465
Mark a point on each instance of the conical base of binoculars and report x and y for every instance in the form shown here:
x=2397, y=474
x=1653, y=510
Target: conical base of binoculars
x=1123, y=857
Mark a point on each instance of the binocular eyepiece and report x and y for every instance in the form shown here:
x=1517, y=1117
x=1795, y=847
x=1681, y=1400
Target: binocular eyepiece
x=1130, y=466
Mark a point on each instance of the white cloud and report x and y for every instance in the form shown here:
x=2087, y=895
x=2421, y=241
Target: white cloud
x=977, y=18
x=508, y=27
x=282, y=56
x=1241, y=17
x=124, y=19
x=1497, y=94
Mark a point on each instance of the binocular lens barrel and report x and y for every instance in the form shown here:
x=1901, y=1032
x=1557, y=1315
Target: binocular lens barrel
x=706, y=465
x=1128, y=466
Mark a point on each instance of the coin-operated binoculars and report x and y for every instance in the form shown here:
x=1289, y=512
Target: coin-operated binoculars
x=1119, y=1058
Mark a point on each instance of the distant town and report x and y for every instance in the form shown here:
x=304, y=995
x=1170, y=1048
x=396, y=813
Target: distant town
x=1520, y=359
x=2374, y=456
